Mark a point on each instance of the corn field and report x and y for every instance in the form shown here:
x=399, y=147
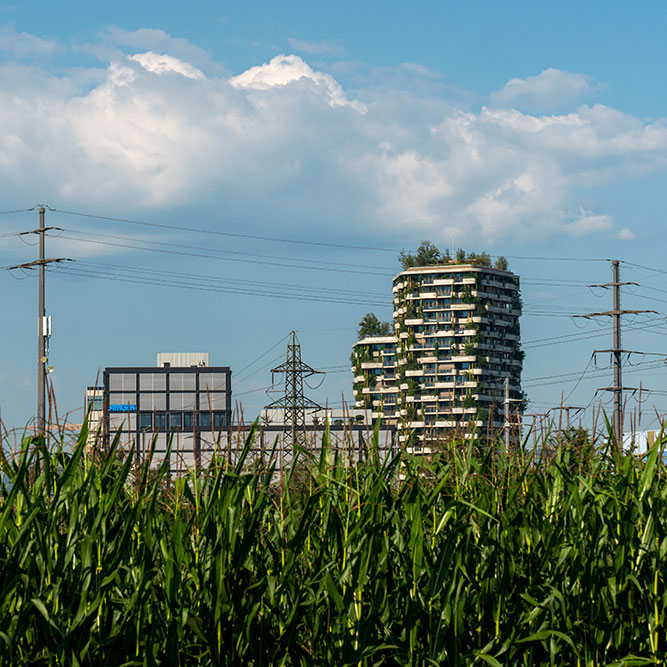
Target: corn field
x=467, y=557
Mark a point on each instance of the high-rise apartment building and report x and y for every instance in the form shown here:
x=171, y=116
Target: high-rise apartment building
x=456, y=340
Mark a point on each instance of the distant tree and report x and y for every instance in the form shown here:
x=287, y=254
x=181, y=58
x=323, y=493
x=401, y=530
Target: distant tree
x=371, y=326
x=427, y=254
x=460, y=255
x=501, y=264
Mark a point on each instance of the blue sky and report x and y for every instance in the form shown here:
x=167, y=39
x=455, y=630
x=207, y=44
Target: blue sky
x=532, y=130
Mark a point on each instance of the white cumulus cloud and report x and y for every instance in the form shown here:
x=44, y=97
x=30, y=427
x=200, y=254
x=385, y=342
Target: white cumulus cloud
x=552, y=88
x=283, y=141
x=164, y=64
x=283, y=70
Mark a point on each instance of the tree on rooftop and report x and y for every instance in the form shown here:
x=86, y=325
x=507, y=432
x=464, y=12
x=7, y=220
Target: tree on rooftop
x=427, y=254
x=370, y=325
x=501, y=264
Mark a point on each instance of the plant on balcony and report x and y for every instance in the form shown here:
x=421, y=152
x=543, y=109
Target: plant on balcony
x=413, y=387
x=469, y=401
x=412, y=365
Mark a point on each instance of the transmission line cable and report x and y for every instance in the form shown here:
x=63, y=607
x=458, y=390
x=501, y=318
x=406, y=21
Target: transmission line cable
x=208, y=278
x=261, y=356
x=229, y=290
x=226, y=259
x=255, y=237
x=208, y=249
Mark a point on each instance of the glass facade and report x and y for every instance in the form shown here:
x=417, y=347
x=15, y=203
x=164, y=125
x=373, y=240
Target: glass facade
x=181, y=403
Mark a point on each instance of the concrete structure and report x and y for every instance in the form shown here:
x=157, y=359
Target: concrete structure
x=457, y=338
x=192, y=404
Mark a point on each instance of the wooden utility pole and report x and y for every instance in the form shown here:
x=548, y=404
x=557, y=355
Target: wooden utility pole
x=43, y=322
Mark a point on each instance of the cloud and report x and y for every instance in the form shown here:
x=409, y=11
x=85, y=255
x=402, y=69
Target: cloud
x=551, y=89
x=624, y=234
x=150, y=39
x=283, y=70
x=588, y=223
x=314, y=48
x=163, y=64
x=23, y=44
x=283, y=141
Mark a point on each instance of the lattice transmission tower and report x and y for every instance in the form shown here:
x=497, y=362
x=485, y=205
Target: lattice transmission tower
x=294, y=403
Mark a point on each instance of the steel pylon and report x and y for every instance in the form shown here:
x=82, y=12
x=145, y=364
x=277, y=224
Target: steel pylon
x=294, y=403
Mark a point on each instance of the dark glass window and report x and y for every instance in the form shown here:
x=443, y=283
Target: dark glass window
x=219, y=419
x=146, y=420
x=175, y=420
x=96, y=403
x=187, y=420
x=204, y=418
x=161, y=421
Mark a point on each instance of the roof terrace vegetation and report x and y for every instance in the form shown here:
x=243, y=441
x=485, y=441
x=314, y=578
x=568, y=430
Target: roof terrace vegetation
x=428, y=254
x=370, y=325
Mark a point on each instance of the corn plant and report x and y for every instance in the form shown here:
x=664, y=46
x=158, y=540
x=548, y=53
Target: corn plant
x=468, y=557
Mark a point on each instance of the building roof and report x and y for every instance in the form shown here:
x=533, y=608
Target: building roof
x=376, y=339
x=453, y=268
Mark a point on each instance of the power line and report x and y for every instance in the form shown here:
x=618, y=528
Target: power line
x=208, y=249
x=18, y=210
x=219, y=233
x=228, y=290
x=227, y=259
x=242, y=282
x=254, y=361
x=557, y=259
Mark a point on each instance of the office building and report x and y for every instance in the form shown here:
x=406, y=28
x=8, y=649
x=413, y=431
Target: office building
x=182, y=397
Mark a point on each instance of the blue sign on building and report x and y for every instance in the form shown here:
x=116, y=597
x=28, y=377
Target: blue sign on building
x=123, y=407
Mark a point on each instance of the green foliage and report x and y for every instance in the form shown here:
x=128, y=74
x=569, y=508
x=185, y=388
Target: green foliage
x=469, y=401
x=501, y=264
x=473, y=557
x=370, y=325
x=427, y=254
